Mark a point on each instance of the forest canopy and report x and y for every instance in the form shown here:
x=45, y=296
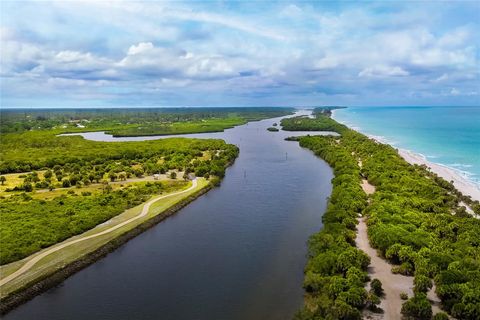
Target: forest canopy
x=415, y=220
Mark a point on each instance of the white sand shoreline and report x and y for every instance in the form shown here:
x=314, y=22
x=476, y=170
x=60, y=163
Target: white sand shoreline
x=463, y=184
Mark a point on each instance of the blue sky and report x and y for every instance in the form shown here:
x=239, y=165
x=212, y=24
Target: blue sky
x=251, y=53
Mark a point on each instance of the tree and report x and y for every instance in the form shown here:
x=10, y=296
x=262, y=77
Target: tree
x=173, y=175
x=342, y=310
x=86, y=181
x=3, y=179
x=417, y=307
x=422, y=283
x=66, y=183
x=376, y=287
x=372, y=301
x=440, y=316
x=48, y=174
x=138, y=172
x=112, y=176
x=27, y=186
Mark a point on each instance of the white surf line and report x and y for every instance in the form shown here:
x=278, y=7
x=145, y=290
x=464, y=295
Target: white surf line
x=144, y=212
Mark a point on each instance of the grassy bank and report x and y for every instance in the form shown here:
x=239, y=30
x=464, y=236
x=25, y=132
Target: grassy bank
x=67, y=201
x=79, y=188
x=415, y=220
x=57, y=266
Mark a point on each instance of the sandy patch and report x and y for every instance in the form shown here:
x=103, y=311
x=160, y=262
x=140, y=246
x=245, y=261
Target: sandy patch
x=465, y=186
x=393, y=284
x=367, y=187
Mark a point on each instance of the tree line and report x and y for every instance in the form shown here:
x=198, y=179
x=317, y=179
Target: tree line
x=415, y=220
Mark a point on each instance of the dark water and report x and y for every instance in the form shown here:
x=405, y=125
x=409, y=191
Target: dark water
x=237, y=252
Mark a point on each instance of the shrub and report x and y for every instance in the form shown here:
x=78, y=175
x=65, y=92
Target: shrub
x=376, y=287
x=417, y=307
x=422, y=283
x=440, y=316
x=66, y=183
x=372, y=301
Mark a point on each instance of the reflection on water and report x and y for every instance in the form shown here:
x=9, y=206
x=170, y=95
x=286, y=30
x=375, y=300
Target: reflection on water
x=237, y=252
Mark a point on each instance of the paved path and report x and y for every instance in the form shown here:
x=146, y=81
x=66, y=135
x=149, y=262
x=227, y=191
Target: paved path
x=30, y=263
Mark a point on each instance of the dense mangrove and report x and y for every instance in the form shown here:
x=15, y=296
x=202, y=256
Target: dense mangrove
x=415, y=220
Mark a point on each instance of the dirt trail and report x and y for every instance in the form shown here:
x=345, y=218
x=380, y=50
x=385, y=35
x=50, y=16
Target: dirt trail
x=393, y=284
x=367, y=187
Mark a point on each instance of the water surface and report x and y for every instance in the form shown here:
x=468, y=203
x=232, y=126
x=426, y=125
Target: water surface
x=237, y=252
x=445, y=135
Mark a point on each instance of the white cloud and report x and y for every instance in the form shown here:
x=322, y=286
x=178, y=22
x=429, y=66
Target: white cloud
x=383, y=71
x=139, y=48
x=291, y=11
x=298, y=50
x=454, y=92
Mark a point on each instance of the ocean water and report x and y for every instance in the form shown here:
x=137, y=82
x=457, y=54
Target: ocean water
x=446, y=135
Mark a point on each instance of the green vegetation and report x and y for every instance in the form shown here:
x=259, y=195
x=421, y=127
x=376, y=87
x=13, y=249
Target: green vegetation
x=24, y=229
x=320, y=123
x=440, y=316
x=414, y=220
x=417, y=307
x=29, y=225
x=376, y=287
x=55, y=187
x=273, y=129
x=335, y=275
x=135, y=121
x=36, y=150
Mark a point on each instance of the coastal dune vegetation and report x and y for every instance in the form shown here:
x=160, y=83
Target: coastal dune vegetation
x=415, y=220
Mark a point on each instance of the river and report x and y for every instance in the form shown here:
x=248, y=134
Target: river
x=237, y=252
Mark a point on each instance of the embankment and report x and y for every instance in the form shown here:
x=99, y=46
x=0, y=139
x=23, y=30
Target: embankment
x=40, y=285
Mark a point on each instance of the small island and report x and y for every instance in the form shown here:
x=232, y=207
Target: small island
x=272, y=129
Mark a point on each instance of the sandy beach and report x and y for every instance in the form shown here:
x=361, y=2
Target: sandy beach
x=465, y=186
x=460, y=182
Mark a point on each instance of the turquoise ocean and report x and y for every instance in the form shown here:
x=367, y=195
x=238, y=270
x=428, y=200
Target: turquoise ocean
x=445, y=135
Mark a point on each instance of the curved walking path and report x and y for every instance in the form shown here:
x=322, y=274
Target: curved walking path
x=144, y=212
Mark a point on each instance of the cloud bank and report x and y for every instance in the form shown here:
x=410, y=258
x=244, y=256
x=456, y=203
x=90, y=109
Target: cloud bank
x=119, y=53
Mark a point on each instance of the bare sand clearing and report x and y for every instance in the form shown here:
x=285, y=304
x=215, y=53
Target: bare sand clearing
x=367, y=187
x=465, y=186
x=393, y=284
